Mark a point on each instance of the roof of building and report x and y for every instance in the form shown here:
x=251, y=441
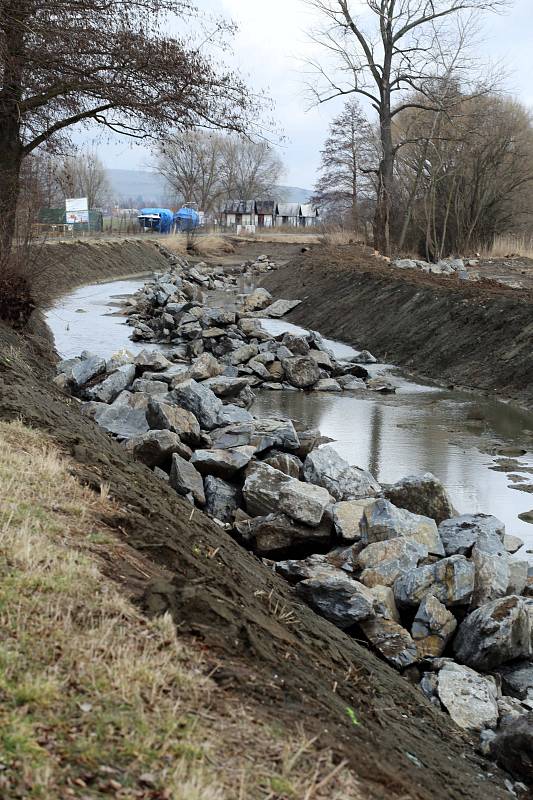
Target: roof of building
x=240, y=207
x=266, y=206
x=289, y=209
x=309, y=210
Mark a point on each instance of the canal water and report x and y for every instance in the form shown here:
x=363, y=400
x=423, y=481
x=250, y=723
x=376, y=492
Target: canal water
x=463, y=438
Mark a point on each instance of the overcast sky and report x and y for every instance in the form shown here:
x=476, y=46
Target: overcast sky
x=269, y=49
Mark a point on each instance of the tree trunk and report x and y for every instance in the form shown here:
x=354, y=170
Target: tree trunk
x=12, y=17
x=385, y=186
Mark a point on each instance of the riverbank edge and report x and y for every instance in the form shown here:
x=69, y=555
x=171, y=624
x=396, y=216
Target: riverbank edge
x=221, y=596
x=470, y=337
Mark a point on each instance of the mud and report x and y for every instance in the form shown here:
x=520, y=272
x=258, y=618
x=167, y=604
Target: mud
x=295, y=667
x=474, y=335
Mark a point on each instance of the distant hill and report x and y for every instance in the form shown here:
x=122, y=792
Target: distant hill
x=133, y=188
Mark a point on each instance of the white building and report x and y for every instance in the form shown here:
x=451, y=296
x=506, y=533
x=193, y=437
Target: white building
x=288, y=214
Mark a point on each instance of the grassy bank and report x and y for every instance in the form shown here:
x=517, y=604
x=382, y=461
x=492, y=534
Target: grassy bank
x=96, y=699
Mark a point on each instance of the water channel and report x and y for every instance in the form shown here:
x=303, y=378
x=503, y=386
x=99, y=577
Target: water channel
x=460, y=437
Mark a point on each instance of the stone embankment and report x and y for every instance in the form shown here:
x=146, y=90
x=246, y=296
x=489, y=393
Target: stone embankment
x=439, y=596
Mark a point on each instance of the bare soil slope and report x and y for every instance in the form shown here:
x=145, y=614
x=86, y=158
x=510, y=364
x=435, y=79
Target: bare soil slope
x=477, y=335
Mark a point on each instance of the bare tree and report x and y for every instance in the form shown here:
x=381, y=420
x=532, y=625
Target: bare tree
x=191, y=164
x=111, y=63
x=405, y=49
x=249, y=169
x=348, y=160
x=82, y=175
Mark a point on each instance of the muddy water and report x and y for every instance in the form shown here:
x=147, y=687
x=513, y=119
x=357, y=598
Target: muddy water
x=459, y=437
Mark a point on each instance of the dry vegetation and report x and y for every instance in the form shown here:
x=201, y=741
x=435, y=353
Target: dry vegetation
x=509, y=245
x=98, y=701
x=204, y=245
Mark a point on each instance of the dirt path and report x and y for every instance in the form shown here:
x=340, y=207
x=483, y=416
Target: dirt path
x=474, y=335
x=291, y=666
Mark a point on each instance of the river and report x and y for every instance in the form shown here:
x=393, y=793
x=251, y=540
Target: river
x=458, y=436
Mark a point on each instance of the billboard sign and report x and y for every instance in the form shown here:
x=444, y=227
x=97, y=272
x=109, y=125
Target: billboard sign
x=76, y=210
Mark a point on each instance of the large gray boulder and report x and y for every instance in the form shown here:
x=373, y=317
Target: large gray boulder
x=236, y=435
x=470, y=699
x=156, y=448
x=513, y=748
x=517, y=679
x=86, y=369
x=125, y=417
x=221, y=498
x=304, y=502
x=163, y=416
x=110, y=388
x=260, y=298
x=313, y=566
x=325, y=467
x=151, y=359
x=392, y=640
x=274, y=535
x=204, y=367
x=433, y=627
x=185, y=479
x=298, y=345
x=153, y=388
x=285, y=462
x=222, y=463
x=200, y=401
x=347, y=515
x=460, y=534
x=231, y=414
x=498, y=632
x=492, y=574
x=450, y=580
x=383, y=562
x=422, y=494
x=382, y=521
x=301, y=371
x=262, y=488
x=243, y=354
x=279, y=308
x=338, y=598
x=224, y=386
x=272, y=432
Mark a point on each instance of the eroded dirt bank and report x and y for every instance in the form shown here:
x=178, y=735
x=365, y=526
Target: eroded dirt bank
x=475, y=335
x=293, y=667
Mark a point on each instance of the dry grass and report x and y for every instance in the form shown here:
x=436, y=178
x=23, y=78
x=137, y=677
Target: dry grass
x=97, y=701
x=201, y=244
x=334, y=237
x=508, y=245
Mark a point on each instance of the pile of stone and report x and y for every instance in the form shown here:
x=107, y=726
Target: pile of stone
x=435, y=594
x=231, y=348
x=261, y=264
x=446, y=267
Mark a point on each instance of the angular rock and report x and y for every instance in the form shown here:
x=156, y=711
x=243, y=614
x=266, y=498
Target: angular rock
x=327, y=385
x=322, y=359
x=260, y=298
x=126, y=416
x=347, y=514
x=422, y=494
x=243, y=354
x=304, y=502
x=156, y=448
x=384, y=603
x=513, y=748
x=222, y=463
x=470, y=699
x=259, y=369
x=492, y=575
x=230, y=414
x=279, y=308
x=185, y=478
x=512, y=543
x=301, y=371
x=262, y=488
x=200, y=401
x=151, y=359
x=149, y=387
x=86, y=369
x=460, y=534
x=163, y=416
x=450, y=580
x=275, y=534
x=498, y=632
x=338, y=598
x=518, y=576
x=433, y=627
x=298, y=345
x=221, y=498
x=325, y=467
x=285, y=462
x=206, y=366
x=311, y=567
x=392, y=640
x=517, y=679
x=275, y=433
x=382, y=521
x=236, y=435
x=383, y=562
x=224, y=386
x=114, y=384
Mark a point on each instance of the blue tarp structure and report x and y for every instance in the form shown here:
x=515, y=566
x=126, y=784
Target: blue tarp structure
x=157, y=219
x=186, y=219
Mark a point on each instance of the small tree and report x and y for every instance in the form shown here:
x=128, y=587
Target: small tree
x=348, y=160
x=82, y=176
x=406, y=48
x=111, y=63
x=191, y=164
x=249, y=169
